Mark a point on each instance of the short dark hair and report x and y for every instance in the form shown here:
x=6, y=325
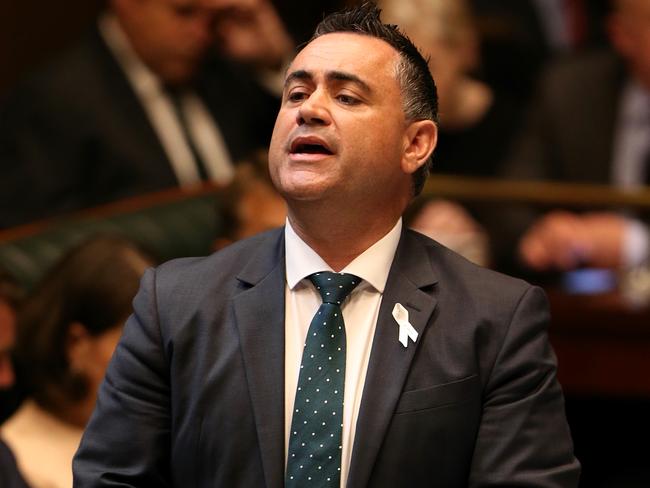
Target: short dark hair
x=419, y=94
x=93, y=284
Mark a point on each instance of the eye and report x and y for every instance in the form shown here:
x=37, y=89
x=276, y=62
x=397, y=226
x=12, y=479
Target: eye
x=346, y=99
x=297, y=96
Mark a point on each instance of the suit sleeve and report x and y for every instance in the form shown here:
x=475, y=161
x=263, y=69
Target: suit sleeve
x=127, y=441
x=523, y=438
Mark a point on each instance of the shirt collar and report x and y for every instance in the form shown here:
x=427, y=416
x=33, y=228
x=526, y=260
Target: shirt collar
x=373, y=265
x=145, y=81
x=635, y=104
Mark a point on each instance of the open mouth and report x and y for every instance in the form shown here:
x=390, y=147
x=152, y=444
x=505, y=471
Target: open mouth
x=311, y=149
x=310, y=145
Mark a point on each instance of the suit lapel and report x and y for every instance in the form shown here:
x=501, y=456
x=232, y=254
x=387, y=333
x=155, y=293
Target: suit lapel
x=142, y=145
x=259, y=314
x=409, y=283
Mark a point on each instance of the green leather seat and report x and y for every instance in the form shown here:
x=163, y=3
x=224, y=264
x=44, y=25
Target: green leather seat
x=183, y=227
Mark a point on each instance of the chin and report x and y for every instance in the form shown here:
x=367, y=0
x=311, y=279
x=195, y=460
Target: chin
x=303, y=193
x=179, y=75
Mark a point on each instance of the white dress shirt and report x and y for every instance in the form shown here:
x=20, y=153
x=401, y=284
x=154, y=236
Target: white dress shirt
x=360, y=312
x=160, y=111
x=42, y=444
x=631, y=148
x=554, y=23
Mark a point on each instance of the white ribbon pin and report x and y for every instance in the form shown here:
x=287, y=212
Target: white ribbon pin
x=406, y=330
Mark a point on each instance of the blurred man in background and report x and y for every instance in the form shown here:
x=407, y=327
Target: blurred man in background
x=590, y=123
x=139, y=104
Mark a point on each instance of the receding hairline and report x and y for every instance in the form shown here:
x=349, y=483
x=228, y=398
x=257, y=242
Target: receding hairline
x=398, y=59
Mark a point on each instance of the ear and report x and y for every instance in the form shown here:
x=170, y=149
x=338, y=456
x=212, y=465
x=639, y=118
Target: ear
x=420, y=140
x=77, y=346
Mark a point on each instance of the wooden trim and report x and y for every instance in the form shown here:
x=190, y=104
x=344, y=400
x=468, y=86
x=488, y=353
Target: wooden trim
x=536, y=192
x=120, y=207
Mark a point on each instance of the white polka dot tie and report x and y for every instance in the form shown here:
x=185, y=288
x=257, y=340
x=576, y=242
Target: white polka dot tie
x=317, y=423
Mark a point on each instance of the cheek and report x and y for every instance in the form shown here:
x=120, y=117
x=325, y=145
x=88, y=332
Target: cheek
x=278, y=142
x=283, y=124
x=383, y=143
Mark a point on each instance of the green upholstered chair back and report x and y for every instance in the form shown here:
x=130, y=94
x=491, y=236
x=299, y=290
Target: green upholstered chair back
x=170, y=225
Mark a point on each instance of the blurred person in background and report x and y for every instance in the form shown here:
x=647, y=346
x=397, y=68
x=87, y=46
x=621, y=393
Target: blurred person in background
x=518, y=37
x=590, y=123
x=475, y=124
x=139, y=104
x=67, y=330
x=250, y=204
x=255, y=38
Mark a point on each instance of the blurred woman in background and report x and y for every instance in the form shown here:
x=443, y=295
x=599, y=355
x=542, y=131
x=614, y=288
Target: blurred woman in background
x=67, y=331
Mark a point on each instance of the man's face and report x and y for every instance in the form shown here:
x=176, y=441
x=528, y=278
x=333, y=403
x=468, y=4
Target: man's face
x=340, y=132
x=171, y=36
x=630, y=34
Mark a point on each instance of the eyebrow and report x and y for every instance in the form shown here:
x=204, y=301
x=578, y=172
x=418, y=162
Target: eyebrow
x=302, y=74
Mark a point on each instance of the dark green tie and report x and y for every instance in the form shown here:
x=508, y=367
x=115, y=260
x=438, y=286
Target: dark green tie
x=317, y=423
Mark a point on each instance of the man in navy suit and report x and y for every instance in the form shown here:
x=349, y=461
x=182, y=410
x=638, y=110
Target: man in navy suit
x=449, y=377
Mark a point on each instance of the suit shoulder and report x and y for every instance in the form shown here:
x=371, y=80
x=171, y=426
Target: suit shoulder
x=202, y=273
x=476, y=282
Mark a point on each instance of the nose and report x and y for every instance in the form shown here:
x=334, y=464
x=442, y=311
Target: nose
x=314, y=110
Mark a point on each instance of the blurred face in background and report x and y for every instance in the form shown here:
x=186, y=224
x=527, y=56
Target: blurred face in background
x=251, y=32
x=170, y=36
x=629, y=31
x=444, y=31
x=89, y=354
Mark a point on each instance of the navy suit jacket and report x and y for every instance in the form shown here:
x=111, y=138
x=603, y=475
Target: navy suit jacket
x=194, y=395
x=10, y=477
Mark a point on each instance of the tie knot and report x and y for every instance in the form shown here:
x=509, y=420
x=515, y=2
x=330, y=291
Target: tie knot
x=334, y=287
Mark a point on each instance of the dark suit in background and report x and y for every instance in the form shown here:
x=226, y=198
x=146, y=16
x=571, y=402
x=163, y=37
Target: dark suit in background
x=570, y=133
x=75, y=135
x=568, y=137
x=194, y=395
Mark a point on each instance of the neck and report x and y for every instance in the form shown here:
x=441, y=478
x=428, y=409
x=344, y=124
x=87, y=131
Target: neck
x=338, y=242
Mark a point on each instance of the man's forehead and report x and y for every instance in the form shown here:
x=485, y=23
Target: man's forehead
x=346, y=51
